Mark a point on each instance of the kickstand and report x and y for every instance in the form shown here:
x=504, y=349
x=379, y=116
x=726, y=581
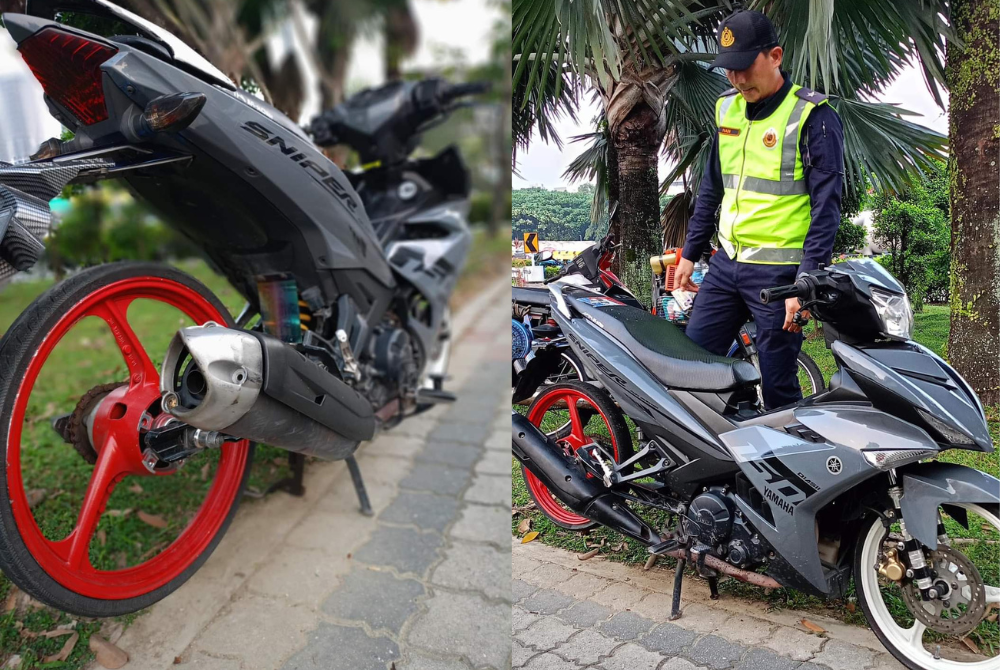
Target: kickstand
x=675, y=606
x=291, y=485
x=359, y=486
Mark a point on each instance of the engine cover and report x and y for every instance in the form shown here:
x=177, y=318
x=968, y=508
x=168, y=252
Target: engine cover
x=395, y=361
x=710, y=518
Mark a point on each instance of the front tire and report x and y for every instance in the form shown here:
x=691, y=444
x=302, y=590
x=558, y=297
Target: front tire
x=912, y=645
x=62, y=572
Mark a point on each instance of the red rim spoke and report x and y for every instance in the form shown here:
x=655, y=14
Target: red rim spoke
x=574, y=417
x=140, y=367
x=109, y=470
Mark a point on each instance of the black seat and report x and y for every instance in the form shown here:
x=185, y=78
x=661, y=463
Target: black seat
x=533, y=297
x=668, y=353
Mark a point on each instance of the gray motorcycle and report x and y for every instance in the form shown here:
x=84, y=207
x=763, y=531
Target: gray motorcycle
x=842, y=484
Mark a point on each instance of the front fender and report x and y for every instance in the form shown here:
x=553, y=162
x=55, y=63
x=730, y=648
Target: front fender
x=929, y=485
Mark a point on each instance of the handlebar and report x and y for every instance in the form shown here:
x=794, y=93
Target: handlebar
x=462, y=90
x=795, y=290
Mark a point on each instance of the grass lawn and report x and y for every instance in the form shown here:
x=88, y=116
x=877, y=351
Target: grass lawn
x=931, y=329
x=88, y=356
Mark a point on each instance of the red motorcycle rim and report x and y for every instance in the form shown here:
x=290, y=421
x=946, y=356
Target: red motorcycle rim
x=576, y=439
x=67, y=561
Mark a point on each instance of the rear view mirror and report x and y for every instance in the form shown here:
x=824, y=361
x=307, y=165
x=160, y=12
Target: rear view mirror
x=544, y=256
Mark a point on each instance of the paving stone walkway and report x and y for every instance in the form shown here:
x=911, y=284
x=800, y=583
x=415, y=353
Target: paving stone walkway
x=569, y=614
x=311, y=584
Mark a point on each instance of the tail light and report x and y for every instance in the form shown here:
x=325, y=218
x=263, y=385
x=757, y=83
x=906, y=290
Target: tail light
x=69, y=69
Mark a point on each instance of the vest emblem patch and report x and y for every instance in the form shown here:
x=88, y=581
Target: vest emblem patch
x=729, y=131
x=770, y=138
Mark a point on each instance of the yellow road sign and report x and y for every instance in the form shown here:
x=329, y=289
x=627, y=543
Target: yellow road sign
x=531, y=243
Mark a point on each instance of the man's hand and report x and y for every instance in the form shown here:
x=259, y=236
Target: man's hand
x=683, y=275
x=792, y=306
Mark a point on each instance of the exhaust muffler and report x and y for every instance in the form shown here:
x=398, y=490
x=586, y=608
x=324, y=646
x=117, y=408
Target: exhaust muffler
x=253, y=386
x=568, y=482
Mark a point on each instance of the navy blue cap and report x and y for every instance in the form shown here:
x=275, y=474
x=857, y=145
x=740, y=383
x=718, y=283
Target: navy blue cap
x=742, y=36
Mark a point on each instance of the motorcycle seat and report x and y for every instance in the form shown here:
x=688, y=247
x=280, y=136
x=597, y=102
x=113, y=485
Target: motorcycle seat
x=668, y=353
x=533, y=297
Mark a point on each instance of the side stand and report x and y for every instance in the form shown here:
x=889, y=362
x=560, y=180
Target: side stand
x=291, y=485
x=359, y=486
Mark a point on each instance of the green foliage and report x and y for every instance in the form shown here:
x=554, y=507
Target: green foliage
x=850, y=237
x=551, y=271
x=554, y=215
x=913, y=227
x=106, y=225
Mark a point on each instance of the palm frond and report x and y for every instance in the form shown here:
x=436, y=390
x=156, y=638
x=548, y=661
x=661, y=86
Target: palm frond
x=591, y=165
x=847, y=47
x=883, y=147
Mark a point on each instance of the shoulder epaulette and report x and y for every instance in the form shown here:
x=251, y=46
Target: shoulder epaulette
x=810, y=95
x=728, y=92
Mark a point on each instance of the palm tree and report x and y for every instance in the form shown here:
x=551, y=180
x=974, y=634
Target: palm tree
x=646, y=60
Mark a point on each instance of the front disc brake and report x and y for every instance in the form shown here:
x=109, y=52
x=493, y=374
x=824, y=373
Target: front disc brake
x=962, y=604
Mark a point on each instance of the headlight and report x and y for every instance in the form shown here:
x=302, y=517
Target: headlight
x=895, y=312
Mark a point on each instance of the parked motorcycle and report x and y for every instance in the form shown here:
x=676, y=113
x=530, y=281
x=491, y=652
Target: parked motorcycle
x=836, y=486
x=540, y=350
x=353, y=334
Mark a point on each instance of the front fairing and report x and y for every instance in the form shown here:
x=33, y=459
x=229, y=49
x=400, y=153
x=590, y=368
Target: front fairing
x=911, y=382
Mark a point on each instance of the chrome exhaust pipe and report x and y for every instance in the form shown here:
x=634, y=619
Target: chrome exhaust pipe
x=253, y=386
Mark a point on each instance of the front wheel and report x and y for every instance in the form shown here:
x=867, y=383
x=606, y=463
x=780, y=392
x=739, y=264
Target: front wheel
x=931, y=638
x=85, y=525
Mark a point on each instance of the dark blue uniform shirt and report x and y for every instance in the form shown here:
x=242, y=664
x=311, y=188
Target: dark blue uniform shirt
x=822, y=149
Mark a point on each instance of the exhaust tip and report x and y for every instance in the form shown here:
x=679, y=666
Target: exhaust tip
x=211, y=375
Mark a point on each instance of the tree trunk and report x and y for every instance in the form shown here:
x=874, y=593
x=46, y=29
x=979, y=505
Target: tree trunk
x=636, y=144
x=974, y=341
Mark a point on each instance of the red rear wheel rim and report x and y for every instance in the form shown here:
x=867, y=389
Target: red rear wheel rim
x=67, y=561
x=576, y=439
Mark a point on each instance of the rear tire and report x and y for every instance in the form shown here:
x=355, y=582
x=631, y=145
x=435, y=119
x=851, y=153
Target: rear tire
x=597, y=411
x=33, y=562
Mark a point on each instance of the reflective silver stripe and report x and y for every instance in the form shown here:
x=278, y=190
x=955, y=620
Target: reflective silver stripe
x=771, y=187
x=789, y=146
x=766, y=186
x=724, y=107
x=728, y=246
x=769, y=255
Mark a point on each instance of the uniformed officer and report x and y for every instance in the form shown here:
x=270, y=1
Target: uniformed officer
x=776, y=168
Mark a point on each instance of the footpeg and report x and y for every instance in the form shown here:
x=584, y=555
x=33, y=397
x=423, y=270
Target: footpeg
x=434, y=397
x=664, y=547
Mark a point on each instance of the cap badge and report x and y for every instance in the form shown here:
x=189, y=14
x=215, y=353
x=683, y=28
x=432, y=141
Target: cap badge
x=727, y=38
x=770, y=138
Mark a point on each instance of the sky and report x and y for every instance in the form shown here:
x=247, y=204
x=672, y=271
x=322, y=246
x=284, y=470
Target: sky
x=543, y=164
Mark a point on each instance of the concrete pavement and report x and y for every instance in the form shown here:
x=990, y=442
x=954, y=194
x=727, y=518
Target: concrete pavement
x=309, y=583
x=569, y=614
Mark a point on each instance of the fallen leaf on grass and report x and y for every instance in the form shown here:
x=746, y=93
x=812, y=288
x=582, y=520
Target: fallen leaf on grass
x=971, y=645
x=121, y=560
x=10, y=604
x=119, y=512
x=589, y=555
x=102, y=537
x=135, y=488
x=108, y=655
x=851, y=607
x=13, y=662
x=66, y=650
x=204, y=471
x=650, y=562
x=991, y=618
x=153, y=520
x=529, y=537
x=524, y=526
x=35, y=497
x=811, y=626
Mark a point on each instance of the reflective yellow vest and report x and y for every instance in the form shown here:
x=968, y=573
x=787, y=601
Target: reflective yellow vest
x=765, y=209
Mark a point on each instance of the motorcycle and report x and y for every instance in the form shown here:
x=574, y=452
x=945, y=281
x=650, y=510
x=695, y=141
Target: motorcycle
x=835, y=486
x=353, y=330
x=540, y=352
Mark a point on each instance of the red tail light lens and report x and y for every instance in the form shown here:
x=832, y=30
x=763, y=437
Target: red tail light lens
x=69, y=69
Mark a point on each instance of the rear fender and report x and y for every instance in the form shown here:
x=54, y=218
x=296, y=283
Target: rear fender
x=929, y=485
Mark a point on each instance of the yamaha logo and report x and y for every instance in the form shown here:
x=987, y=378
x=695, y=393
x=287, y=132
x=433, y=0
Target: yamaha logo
x=834, y=465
